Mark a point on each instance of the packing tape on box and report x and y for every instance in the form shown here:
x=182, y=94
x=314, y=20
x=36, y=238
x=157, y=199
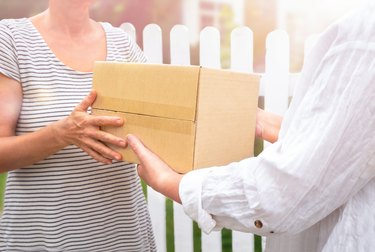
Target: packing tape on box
x=178, y=126
x=147, y=108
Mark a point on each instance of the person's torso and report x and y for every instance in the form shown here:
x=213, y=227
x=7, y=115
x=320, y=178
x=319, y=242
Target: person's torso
x=68, y=202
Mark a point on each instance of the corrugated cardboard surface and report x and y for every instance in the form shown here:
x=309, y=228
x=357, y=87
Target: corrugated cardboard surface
x=170, y=139
x=155, y=90
x=191, y=117
x=227, y=105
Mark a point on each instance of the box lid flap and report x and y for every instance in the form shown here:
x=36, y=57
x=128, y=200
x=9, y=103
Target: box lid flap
x=156, y=90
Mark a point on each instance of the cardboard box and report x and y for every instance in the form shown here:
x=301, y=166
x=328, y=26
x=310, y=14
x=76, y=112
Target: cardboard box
x=192, y=117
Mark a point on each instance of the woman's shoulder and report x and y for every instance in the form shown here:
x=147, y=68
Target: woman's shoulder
x=15, y=29
x=14, y=24
x=113, y=31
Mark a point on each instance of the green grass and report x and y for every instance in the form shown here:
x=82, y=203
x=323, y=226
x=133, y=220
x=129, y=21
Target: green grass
x=3, y=177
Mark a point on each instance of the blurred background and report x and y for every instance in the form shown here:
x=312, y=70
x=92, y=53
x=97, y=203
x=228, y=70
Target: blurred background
x=300, y=18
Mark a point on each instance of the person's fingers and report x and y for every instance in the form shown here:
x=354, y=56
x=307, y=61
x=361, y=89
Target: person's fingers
x=106, y=121
x=149, y=164
x=96, y=155
x=107, y=138
x=138, y=147
x=87, y=101
x=103, y=150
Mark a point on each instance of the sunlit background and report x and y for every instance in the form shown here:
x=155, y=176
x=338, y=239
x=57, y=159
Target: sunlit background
x=300, y=18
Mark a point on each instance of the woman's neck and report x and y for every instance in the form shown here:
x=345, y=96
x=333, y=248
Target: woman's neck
x=70, y=17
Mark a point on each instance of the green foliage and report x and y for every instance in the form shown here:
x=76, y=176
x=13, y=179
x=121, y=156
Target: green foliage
x=257, y=243
x=169, y=225
x=3, y=177
x=226, y=240
x=227, y=24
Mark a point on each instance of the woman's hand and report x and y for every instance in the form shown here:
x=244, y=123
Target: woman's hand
x=83, y=130
x=154, y=171
x=267, y=125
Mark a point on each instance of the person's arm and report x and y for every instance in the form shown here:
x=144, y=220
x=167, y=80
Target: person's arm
x=154, y=171
x=267, y=125
x=162, y=178
x=323, y=158
x=79, y=129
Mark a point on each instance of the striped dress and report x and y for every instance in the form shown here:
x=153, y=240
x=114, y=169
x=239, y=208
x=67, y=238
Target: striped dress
x=67, y=202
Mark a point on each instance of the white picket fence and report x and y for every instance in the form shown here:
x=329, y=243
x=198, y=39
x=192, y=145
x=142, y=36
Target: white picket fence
x=277, y=85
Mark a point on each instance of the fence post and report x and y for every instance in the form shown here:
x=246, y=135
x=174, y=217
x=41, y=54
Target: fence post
x=209, y=50
x=153, y=43
x=153, y=49
x=183, y=225
x=242, y=61
x=130, y=30
x=242, y=50
x=209, y=55
x=277, y=72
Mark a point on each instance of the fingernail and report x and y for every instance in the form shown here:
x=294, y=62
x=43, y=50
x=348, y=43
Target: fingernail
x=122, y=143
x=129, y=138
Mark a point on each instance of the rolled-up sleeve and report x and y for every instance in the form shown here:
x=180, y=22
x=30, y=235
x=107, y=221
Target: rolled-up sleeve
x=323, y=157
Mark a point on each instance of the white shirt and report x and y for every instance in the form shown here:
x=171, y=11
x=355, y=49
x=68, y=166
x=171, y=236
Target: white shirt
x=314, y=189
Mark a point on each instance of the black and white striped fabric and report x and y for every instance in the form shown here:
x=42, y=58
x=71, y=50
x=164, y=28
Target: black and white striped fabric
x=67, y=202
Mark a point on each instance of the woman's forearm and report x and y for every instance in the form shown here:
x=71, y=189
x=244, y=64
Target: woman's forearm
x=21, y=151
x=79, y=129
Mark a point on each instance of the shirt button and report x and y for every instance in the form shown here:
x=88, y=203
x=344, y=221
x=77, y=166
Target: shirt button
x=258, y=224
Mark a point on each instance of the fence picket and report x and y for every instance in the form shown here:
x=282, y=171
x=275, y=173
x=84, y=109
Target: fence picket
x=209, y=55
x=209, y=50
x=183, y=225
x=153, y=44
x=242, y=60
x=242, y=50
x=242, y=242
x=180, y=47
x=129, y=29
x=153, y=49
x=277, y=72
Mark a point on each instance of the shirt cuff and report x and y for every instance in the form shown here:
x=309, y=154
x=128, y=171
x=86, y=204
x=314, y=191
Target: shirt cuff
x=190, y=191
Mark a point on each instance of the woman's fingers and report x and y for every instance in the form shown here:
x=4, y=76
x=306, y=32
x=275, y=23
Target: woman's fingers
x=83, y=130
x=86, y=102
x=98, y=157
x=103, y=150
x=107, y=138
x=102, y=121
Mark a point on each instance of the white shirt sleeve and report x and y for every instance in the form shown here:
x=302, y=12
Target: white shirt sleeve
x=325, y=154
